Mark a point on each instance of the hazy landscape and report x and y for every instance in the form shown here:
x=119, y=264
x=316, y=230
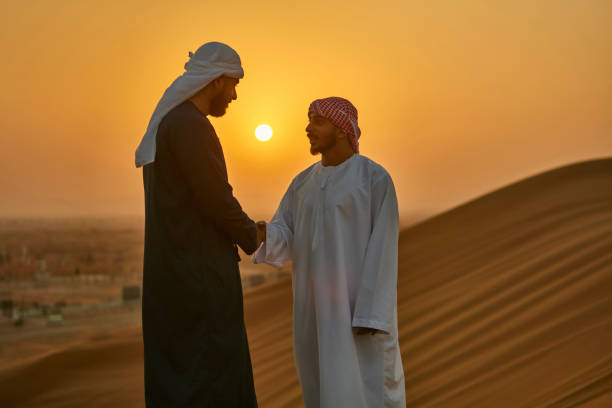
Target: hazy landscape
x=61, y=279
x=492, y=117
x=505, y=301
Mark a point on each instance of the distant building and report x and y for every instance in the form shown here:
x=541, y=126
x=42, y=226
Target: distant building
x=4, y=257
x=7, y=306
x=48, y=310
x=17, y=318
x=131, y=293
x=42, y=274
x=25, y=257
x=55, y=319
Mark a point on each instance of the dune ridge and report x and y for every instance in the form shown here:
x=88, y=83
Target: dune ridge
x=505, y=301
x=498, y=297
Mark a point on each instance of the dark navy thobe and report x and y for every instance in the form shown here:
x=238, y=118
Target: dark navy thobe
x=195, y=342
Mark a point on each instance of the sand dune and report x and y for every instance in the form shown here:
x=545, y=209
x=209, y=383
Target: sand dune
x=505, y=301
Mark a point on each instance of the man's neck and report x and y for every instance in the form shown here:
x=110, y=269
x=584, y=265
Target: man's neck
x=335, y=157
x=202, y=103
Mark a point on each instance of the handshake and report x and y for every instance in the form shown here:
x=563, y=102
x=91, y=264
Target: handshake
x=261, y=232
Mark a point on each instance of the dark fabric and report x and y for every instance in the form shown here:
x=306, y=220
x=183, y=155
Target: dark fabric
x=196, y=350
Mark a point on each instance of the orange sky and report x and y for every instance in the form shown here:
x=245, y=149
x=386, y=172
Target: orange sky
x=455, y=98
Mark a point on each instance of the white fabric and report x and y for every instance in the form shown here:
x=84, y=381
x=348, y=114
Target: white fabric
x=209, y=62
x=339, y=226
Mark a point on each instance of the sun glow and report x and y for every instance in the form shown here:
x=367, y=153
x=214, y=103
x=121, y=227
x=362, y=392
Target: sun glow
x=263, y=133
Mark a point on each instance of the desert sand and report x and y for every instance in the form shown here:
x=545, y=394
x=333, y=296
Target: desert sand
x=505, y=301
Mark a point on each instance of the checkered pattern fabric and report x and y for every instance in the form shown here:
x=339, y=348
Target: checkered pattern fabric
x=341, y=113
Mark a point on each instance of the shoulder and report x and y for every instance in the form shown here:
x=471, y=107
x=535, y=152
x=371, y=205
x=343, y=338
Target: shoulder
x=185, y=119
x=302, y=176
x=372, y=170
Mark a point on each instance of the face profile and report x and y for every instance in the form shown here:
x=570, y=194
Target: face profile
x=321, y=134
x=226, y=94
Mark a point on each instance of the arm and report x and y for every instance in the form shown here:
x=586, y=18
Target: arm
x=377, y=296
x=191, y=143
x=278, y=237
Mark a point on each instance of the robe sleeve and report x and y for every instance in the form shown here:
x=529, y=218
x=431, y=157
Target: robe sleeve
x=377, y=296
x=192, y=146
x=276, y=250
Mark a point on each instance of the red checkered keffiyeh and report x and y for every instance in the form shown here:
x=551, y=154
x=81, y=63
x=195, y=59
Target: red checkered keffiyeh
x=341, y=113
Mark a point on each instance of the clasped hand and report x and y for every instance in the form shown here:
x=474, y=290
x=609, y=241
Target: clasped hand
x=261, y=232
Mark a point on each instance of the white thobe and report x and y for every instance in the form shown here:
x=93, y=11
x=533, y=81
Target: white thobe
x=339, y=226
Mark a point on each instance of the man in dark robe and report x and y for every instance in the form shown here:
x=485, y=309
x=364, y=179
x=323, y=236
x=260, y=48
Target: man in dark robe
x=195, y=342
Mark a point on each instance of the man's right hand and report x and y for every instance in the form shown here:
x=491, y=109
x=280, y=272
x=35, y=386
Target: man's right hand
x=261, y=232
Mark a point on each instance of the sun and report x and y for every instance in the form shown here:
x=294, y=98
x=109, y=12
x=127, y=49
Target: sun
x=263, y=133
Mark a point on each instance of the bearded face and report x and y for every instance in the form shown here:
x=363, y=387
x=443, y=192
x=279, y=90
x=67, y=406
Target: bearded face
x=321, y=133
x=219, y=104
x=225, y=95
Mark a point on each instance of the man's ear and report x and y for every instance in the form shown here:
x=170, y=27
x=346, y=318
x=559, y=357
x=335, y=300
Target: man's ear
x=219, y=82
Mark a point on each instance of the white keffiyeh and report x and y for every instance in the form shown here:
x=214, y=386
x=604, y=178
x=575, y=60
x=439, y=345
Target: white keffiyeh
x=209, y=62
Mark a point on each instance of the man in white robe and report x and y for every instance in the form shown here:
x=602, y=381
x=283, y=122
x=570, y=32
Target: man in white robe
x=338, y=223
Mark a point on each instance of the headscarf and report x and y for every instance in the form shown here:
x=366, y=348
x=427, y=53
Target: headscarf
x=342, y=114
x=209, y=62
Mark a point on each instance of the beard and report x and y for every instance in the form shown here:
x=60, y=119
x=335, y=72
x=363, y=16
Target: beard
x=218, y=105
x=324, y=143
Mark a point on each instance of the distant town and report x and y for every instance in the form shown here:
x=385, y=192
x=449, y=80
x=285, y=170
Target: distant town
x=52, y=268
